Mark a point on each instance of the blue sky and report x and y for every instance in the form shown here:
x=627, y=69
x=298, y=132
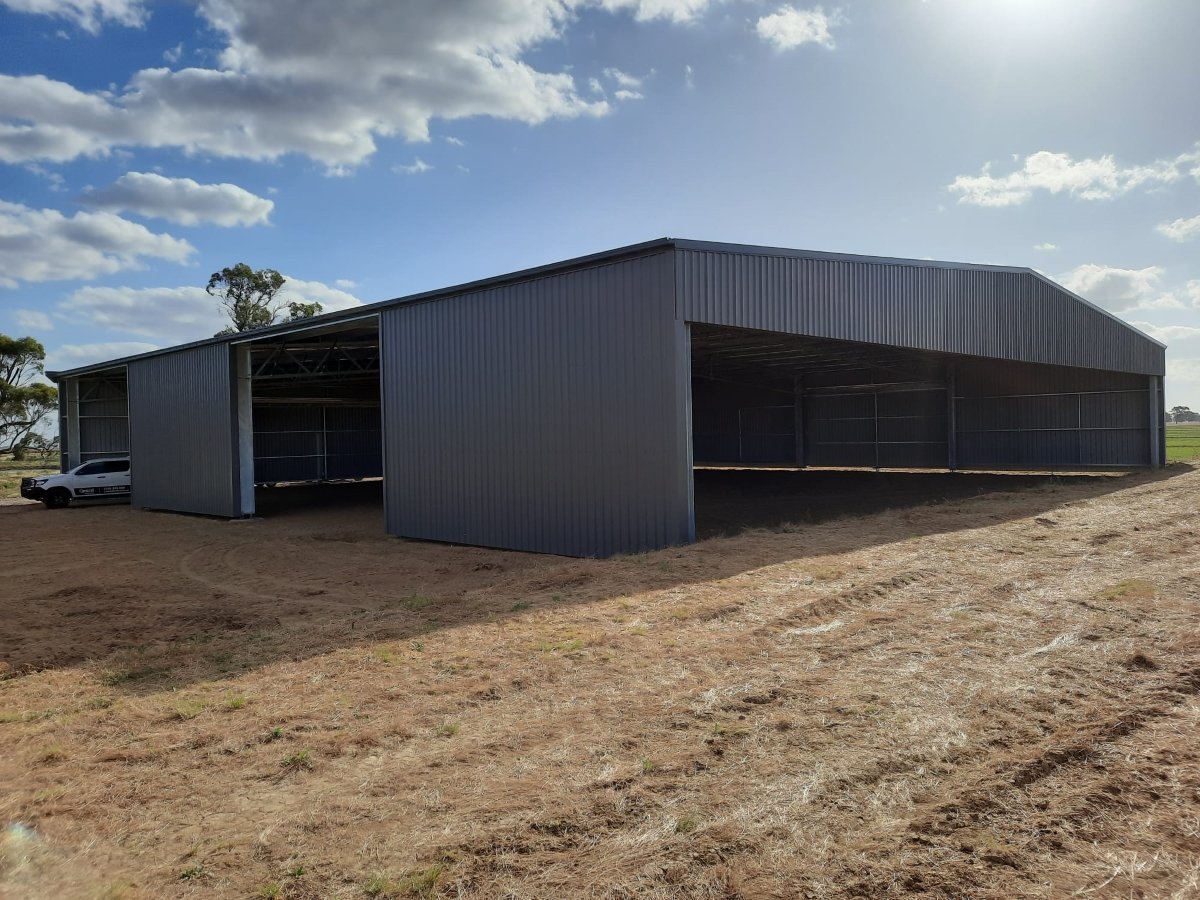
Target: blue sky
x=377, y=148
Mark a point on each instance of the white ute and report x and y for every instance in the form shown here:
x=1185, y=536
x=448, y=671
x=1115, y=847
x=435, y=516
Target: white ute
x=99, y=479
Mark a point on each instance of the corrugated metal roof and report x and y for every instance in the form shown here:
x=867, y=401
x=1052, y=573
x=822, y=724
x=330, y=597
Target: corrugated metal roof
x=582, y=262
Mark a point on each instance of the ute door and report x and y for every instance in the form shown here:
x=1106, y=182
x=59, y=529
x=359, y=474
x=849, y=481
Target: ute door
x=88, y=479
x=119, y=484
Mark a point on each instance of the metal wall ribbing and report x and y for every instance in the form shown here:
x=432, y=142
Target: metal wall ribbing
x=183, y=432
x=316, y=442
x=995, y=313
x=547, y=415
x=1051, y=417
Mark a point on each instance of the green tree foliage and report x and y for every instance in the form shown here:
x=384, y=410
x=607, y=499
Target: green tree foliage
x=303, y=310
x=249, y=297
x=24, y=401
x=1183, y=414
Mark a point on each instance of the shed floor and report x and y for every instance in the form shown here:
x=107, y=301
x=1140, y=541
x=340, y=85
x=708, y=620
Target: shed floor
x=731, y=500
x=727, y=500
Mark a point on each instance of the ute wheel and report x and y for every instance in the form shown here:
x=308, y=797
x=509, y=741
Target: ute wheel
x=57, y=498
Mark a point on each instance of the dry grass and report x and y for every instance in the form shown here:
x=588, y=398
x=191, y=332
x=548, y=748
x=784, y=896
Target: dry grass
x=991, y=697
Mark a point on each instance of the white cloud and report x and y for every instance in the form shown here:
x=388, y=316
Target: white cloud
x=170, y=315
x=645, y=10
x=623, y=94
x=45, y=245
x=87, y=14
x=788, y=27
x=1119, y=290
x=332, y=299
x=31, y=318
x=181, y=200
x=1181, y=229
x=285, y=82
x=457, y=142
x=689, y=77
x=1166, y=333
x=1055, y=173
x=622, y=79
x=56, y=180
x=70, y=356
x=346, y=284
x=174, y=54
x=419, y=167
x=1183, y=376
x=176, y=315
x=1045, y=247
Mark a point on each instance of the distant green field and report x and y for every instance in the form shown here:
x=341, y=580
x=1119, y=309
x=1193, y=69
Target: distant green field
x=1183, y=442
x=11, y=473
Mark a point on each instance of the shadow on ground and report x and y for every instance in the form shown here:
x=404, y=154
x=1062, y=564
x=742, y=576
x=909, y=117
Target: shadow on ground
x=157, y=600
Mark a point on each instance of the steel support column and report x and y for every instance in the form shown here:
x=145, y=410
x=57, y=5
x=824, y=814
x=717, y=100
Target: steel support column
x=798, y=400
x=1156, y=455
x=951, y=419
x=245, y=428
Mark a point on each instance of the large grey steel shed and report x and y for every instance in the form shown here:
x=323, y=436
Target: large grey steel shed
x=563, y=409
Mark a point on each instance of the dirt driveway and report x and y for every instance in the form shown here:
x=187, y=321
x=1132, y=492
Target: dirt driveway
x=989, y=696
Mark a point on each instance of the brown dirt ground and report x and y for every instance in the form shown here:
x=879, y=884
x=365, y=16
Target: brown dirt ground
x=991, y=696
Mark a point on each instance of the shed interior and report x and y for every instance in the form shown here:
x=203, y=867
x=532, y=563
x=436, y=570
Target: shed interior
x=766, y=399
x=94, y=417
x=315, y=400
x=773, y=415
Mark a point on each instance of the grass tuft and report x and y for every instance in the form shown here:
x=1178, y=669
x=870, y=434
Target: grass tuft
x=294, y=762
x=413, y=884
x=189, y=709
x=686, y=824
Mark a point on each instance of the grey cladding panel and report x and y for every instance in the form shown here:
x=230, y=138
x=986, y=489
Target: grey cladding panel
x=548, y=415
x=1006, y=315
x=182, y=432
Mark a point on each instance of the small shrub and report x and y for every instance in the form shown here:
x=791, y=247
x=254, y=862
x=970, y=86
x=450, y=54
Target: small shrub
x=561, y=646
x=413, y=884
x=297, y=872
x=419, y=646
x=271, y=890
x=647, y=765
x=416, y=601
x=191, y=873
x=273, y=735
x=685, y=824
x=188, y=709
x=294, y=762
x=447, y=729
x=53, y=753
x=1131, y=589
x=121, y=676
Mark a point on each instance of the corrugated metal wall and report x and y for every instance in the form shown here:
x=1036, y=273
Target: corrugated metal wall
x=316, y=442
x=1006, y=315
x=898, y=429
x=1047, y=416
x=734, y=423
x=183, y=432
x=549, y=415
x=103, y=415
